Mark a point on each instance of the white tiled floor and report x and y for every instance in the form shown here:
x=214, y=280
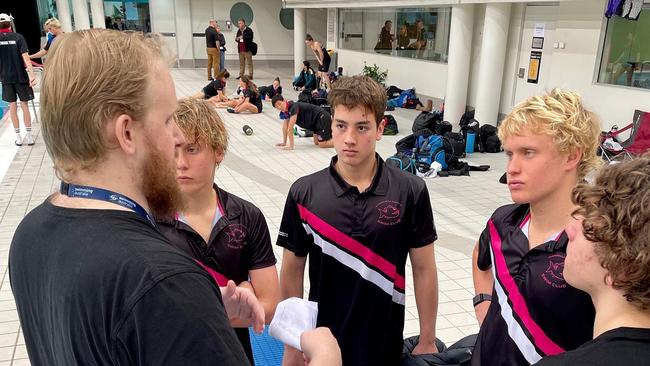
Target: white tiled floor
x=255, y=170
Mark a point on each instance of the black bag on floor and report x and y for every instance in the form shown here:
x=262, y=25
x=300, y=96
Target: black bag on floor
x=490, y=139
x=390, y=125
x=406, y=144
x=466, y=118
x=457, y=142
x=459, y=354
x=426, y=120
x=442, y=127
x=402, y=161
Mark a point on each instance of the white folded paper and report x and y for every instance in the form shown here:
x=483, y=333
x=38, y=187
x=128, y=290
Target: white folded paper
x=293, y=316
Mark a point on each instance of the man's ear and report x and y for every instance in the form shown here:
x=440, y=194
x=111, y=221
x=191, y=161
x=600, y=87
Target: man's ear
x=380, y=129
x=573, y=159
x=124, y=129
x=218, y=156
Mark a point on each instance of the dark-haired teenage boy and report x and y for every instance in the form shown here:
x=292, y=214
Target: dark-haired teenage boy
x=307, y=116
x=358, y=220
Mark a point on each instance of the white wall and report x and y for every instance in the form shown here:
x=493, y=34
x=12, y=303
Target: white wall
x=429, y=78
x=274, y=41
x=580, y=26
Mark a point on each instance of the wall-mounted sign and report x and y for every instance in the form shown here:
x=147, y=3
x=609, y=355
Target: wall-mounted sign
x=533, y=66
x=538, y=43
x=539, y=30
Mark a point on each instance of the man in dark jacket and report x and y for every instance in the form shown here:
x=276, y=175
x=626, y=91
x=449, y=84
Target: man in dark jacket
x=222, y=49
x=212, y=49
x=244, y=41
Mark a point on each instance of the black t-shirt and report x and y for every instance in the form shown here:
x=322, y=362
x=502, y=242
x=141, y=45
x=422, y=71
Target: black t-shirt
x=12, y=65
x=213, y=88
x=357, y=244
x=99, y=287
x=534, y=312
x=308, y=115
x=620, y=346
x=211, y=37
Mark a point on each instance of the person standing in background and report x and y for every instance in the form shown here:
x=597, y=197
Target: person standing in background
x=244, y=40
x=212, y=48
x=16, y=82
x=222, y=49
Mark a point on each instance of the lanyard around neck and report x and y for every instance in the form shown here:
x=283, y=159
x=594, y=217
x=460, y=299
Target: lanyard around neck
x=99, y=194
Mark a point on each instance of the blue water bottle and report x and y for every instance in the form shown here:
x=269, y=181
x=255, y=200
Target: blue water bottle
x=469, y=145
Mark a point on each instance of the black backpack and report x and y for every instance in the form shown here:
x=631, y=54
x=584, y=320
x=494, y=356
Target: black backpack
x=406, y=144
x=442, y=127
x=466, y=118
x=489, y=139
x=457, y=143
x=426, y=120
x=402, y=161
x=390, y=125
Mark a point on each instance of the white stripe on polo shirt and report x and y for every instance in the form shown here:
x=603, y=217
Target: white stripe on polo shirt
x=356, y=265
x=515, y=330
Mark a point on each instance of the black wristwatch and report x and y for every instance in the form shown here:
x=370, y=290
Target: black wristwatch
x=480, y=298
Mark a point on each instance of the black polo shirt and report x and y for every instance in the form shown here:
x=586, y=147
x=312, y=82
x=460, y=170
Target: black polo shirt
x=12, y=65
x=308, y=115
x=534, y=312
x=253, y=97
x=357, y=244
x=239, y=242
x=213, y=88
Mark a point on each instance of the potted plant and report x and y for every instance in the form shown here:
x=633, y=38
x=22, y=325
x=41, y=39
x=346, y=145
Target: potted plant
x=375, y=73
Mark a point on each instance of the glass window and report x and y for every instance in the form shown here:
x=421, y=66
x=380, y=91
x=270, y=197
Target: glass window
x=626, y=52
x=421, y=33
x=127, y=15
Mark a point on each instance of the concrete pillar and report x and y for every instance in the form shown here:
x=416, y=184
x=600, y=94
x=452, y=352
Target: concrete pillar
x=80, y=12
x=97, y=13
x=299, y=31
x=493, y=55
x=460, y=51
x=63, y=11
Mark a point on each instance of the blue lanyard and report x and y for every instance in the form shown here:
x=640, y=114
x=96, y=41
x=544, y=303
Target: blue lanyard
x=99, y=194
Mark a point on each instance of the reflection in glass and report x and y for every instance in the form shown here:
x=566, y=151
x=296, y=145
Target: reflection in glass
x=421, y=33
x=626, y=52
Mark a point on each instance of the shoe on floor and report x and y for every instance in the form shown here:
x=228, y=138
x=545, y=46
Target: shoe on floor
x=30, y=141
x=231, y=110
x=18, y=142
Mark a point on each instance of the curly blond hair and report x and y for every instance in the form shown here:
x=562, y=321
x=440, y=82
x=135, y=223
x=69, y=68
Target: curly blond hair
x=616, y=211
x=561, y=115
x=201, y=124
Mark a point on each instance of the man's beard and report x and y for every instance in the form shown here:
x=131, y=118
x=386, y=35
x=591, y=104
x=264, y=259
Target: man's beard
x=159, y=185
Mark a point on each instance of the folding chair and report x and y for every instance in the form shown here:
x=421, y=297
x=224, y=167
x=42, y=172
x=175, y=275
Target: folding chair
x=613, y=149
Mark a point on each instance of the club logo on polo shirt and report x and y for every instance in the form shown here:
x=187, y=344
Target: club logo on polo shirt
x=554, y=274
x=389, y=212
x=236, y=236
